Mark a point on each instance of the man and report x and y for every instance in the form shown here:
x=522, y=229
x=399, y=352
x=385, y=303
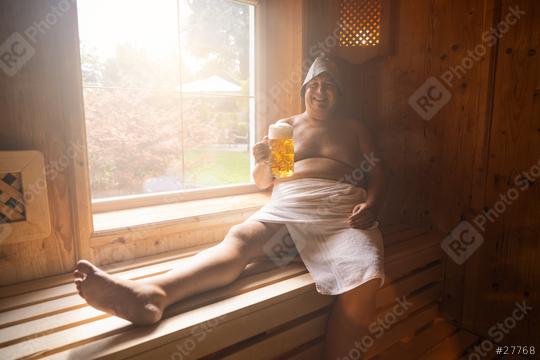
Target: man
x=326, y=205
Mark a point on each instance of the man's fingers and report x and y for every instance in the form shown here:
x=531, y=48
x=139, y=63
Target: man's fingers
x=362, y=222
x=365, y=215
x=362, y=225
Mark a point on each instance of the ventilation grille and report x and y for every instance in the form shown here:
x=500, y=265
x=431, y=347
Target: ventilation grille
x=359, y=23
x=11, y=198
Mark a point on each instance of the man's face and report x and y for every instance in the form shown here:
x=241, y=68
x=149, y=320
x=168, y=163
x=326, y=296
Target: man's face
x=321, y=96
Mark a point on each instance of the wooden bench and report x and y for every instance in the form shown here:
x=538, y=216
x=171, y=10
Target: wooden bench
x=268, y=313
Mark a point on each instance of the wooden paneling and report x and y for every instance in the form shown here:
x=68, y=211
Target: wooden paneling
x=36, y=107
x=281, y=58
x=459, y=162
x=505, y=269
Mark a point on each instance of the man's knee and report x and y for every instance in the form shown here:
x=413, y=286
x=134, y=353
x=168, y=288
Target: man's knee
x=240, y=236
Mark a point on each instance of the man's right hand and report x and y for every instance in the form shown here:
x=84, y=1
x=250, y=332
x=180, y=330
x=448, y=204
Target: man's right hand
x=261, y=150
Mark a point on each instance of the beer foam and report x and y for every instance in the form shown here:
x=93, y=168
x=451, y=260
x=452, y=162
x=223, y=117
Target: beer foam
x=280, y=131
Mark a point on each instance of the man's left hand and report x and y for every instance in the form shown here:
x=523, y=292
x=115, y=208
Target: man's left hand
x=363, y=216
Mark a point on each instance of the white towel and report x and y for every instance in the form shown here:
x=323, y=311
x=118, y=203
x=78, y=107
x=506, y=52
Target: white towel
x=315, y=211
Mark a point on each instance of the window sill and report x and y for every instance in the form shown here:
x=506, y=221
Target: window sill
x=123, y=225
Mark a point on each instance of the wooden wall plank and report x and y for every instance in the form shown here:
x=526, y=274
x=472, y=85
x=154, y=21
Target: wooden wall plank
x=35, y=109
x=505, y=270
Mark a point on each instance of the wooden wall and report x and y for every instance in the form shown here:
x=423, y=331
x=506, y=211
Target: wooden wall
x=37, y=105
x=505, y=268
x=281, y=60
x=449, y=168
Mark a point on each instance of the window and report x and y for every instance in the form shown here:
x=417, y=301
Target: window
x=169, y=95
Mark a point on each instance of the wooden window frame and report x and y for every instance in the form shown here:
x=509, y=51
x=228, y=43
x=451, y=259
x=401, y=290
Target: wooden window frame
x=86, y=238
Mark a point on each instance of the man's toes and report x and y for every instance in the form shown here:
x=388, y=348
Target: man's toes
x=149, y=315
x=78, y=274
x=86, y=267
x=78, y=285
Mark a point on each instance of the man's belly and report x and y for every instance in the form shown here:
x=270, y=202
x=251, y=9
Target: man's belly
x=326, y=169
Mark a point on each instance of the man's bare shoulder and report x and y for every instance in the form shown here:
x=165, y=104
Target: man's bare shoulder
x=289, y=120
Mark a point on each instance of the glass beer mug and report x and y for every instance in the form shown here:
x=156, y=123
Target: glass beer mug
x=280, y=137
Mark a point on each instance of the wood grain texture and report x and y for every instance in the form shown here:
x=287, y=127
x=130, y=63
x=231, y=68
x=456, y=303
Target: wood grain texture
x=35, y=112
x=282, y=61
x=505, y=269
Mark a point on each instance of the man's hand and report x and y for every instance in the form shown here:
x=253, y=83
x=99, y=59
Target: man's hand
x=261, y=150
x=363, y=216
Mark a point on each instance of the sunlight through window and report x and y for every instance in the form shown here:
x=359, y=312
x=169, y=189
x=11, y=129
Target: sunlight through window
x=168, y=92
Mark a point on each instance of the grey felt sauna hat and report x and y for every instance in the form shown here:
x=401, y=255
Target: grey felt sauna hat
x=323, y=64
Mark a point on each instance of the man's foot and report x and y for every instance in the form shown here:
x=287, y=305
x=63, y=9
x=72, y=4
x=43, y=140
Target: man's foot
x=137, y=302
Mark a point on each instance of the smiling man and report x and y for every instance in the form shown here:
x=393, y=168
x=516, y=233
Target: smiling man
x=330, y=204
x=328, y=207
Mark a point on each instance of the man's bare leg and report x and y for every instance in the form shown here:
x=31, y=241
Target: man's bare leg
x=351, y=315
x=143, y=302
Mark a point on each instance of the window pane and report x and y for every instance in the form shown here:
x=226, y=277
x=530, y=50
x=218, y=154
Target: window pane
x=133, y=141
x=216, y=142
x=145, y=132
x=215, y=46
x=129, y=43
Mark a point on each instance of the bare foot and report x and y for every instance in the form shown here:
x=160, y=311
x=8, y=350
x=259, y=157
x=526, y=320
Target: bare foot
x=137, y=302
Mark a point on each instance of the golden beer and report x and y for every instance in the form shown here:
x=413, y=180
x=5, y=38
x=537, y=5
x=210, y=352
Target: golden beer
x=280, y=137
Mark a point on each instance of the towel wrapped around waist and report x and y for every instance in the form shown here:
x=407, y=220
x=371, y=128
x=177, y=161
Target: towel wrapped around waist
x=315, y=212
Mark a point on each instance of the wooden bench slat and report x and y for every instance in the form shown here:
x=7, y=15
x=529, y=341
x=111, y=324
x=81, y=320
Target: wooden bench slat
x=313, y=352
x=246, y=315
x=220, y=302
x=54, y=320
x=452, y=347
x=28, y=287
x=64, y=284
x=420, y=343
x=233, y=332
x=402, y=329
x=72, y=318
x=411, y=246
x=69, y=288
x=285, y=341
x=398, y=268
x=70, y=302
x=387, y=295
x=74, y=302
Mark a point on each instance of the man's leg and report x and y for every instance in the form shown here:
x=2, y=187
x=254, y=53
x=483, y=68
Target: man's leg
x=143, y=302
x=351, y=315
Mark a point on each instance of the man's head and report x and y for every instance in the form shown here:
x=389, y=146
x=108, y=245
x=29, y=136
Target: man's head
x=321, y=88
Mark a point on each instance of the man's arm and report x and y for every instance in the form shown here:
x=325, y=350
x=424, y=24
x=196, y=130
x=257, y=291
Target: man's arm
x=262, y=173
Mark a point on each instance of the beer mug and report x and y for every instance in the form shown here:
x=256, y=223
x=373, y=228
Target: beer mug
x=280, y=137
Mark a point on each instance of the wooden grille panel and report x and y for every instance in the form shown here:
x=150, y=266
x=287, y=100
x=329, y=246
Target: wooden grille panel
x=11, y=198
x=359, y=23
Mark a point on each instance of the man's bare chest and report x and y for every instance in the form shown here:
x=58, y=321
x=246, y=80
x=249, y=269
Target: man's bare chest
x=337, y=143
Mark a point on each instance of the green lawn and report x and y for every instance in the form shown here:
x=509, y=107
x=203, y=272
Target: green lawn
x=216, y=167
